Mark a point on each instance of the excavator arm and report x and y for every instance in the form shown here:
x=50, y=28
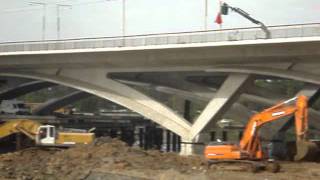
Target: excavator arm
x=44, y=135
x=250, y=141
x=24, y=126
x=250, y=145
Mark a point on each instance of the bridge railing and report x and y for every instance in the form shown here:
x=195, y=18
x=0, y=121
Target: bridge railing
x=290, y=31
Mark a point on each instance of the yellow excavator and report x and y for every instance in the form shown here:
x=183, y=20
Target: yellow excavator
x=249, y=149
x=44, y=135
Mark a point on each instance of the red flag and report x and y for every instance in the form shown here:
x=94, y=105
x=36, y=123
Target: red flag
x=219, y=19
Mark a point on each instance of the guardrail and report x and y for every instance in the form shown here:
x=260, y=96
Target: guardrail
x=290, y=31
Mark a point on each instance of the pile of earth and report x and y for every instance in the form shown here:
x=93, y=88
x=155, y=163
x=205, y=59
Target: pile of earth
x=105, y=154
x=112, y=159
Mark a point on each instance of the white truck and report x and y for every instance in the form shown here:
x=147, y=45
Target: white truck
x=14, y=107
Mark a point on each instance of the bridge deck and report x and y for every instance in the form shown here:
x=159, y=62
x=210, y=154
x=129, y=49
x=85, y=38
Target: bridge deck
x=289, y=31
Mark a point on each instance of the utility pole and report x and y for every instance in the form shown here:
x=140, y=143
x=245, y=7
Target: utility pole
x=205, y=15
x=59, y=6
x=123, y=17
x=44, y=9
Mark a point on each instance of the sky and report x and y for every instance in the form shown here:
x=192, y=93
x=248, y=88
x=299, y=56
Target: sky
x=20, y=21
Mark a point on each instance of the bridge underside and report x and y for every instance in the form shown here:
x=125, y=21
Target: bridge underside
x=221, y=79
x=23, y=88
x=224, y=92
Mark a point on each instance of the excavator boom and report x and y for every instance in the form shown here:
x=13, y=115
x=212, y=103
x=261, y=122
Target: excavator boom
x=25, y=126
x=44, y=135
x=250, y=146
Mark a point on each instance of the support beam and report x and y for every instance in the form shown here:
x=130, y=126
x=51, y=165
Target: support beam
x=94, y=81
x=288, y=74
x=187, y=108
x=50, y=106
x=205, y=97
x=168, y=141
x=135, y=100
x=12, y=82
x=186, y=147
x=222, y=100
x=24, y=88
x=174, y=80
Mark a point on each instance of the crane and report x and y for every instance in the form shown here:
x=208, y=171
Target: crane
x=224, y=11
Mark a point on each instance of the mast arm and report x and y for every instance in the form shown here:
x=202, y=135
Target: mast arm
x=247, y=16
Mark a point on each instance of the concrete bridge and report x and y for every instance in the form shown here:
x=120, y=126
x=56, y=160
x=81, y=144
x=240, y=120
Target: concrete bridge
x=218, y=68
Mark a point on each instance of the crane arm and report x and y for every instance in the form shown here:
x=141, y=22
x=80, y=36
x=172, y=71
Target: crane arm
x=247, y=16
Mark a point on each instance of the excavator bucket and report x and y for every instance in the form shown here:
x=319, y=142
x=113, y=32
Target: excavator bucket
x=306, y=151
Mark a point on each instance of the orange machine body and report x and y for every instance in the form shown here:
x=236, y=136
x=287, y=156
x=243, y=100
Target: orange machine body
x=249, y=146
x=223, y=151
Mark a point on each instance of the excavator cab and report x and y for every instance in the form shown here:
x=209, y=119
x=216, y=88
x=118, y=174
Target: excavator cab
x=46, y=135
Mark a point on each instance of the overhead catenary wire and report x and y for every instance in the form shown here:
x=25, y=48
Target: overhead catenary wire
x=26, y=9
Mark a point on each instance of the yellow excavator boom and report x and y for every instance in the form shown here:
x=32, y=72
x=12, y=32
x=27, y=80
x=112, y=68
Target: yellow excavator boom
x=25, y=126
x=44, y=135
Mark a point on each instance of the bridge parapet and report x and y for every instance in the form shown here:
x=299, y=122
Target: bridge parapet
x=241, y=34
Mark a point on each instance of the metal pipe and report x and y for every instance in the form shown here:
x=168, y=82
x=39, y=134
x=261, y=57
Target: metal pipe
x=44, y=12
x=205, y=15
x=59, y=18
x=123, y=17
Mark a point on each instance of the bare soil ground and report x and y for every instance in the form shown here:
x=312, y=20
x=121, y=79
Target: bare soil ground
x=112, y=159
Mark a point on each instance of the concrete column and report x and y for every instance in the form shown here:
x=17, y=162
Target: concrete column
x=186, y=147
x=164, y=141
x=127, y=135
x=168, y=141
x=141, y=139
x=199, y=141
x=212, y=135
x=223, y=99
x=113, y=133
x=149, y=137
x=174, y=142
x=224, y=135
x=158, y=138
x=178, y=143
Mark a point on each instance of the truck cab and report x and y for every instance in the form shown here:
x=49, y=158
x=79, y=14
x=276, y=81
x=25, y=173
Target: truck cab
x=46, y=135
x=14, y=107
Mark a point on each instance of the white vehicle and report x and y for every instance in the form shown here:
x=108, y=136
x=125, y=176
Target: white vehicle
x=13, y=107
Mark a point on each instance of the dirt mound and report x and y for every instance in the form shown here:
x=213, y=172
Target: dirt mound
x=112, y=159
x=105, y=154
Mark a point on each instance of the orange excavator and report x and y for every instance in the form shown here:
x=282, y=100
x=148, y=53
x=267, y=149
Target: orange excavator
x=249, y=149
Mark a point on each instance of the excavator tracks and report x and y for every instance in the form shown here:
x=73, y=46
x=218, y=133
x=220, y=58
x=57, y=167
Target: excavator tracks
x=247, y=165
